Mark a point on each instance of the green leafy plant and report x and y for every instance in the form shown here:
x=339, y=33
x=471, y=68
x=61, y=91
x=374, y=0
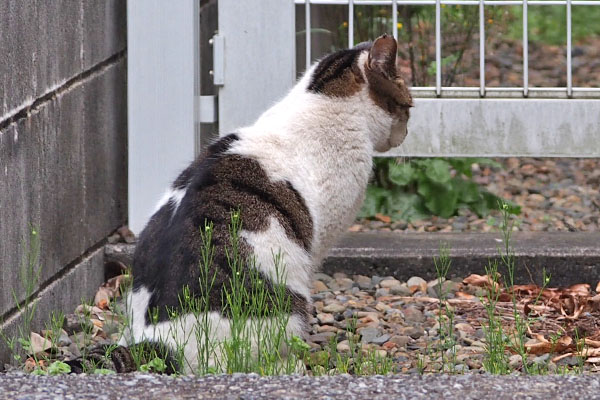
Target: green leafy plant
x=157, y=364
x=433, y=186
x=58, y=368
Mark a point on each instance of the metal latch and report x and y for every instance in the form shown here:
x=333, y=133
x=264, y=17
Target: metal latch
x=207, y=109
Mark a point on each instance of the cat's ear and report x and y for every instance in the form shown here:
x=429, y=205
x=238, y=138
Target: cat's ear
x=382, y=56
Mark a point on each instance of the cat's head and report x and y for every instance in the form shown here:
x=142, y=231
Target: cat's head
x=369, y=73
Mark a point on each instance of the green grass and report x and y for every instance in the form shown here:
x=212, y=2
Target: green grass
x=447, y=346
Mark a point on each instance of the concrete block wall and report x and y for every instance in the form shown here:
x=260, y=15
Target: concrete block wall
x=63, y=145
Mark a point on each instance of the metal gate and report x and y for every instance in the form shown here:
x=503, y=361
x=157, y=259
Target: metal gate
x=254, y=64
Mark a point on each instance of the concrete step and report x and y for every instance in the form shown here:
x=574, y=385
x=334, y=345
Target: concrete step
x=571, y=257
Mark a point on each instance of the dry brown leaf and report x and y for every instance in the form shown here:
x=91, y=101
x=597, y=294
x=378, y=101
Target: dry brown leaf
x=587, y=352
x=592, y=343
x=481, y=280
x=463, y=295
x=383, y=218
x=558, y=358
x=581, y=289
x=542, y=346
x=598, y=288
x=593, y=360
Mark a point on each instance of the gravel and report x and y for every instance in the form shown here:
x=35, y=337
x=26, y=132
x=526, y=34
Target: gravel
x=240, y=386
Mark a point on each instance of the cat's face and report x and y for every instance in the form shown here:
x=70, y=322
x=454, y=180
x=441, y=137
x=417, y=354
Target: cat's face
x=369, y=73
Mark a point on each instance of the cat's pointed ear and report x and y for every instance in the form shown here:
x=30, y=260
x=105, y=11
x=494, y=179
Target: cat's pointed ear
x=382, y=56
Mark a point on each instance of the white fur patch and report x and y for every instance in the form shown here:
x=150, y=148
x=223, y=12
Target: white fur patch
x=175, y=195
x=187, y=331
x=296, y=262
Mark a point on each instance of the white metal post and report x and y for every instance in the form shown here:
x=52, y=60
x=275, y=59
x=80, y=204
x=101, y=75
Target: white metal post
x=162, y=73
x=259, y=58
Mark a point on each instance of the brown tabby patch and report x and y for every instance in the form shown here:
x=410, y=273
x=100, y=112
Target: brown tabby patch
x=337, y=75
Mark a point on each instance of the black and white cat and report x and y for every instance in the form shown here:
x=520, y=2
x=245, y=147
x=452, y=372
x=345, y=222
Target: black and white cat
x=298, y=175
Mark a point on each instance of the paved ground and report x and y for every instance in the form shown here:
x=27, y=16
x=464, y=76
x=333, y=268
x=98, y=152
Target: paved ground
x=139, y=386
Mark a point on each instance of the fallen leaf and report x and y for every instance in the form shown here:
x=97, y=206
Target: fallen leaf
x=481, y=280
x=581, y=289
x=592, y=343
x=383, y=218
x=126, y=234
x=593, y=360
x=598, y=287
x=463, y=295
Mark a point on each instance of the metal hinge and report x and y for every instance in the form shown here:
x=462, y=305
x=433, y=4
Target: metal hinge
x=218, y=72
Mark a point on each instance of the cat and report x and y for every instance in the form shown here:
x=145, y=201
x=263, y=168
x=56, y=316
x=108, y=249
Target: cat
x=297, y=177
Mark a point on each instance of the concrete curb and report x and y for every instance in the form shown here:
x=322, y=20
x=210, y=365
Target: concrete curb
x=571, y=257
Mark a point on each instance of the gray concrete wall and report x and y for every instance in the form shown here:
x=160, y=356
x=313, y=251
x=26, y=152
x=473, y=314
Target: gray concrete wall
x=63, y=143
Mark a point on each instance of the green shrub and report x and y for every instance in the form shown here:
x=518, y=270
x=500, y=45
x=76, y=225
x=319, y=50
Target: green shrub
x=423, y=187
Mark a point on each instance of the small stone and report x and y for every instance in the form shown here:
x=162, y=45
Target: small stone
x=515, y=361
x=368, y=334
x=570, y=361
x=319, y=286
x=343, y=346
x=381, y=339
x=542, y=359
x=319, y=276
x=334, y=308
x=413, y=314
x=400, y=290
x=326, y=318
x=376, y=279
x=416, y=281
x=388, y=283
x=412, y=331
x=323, y=337
x=364, y=282
x=341, y=284
x=400, y=340
x=382, y=307
x=38, y=343
x=326, y=328
x=382, y=292
x=64, y=340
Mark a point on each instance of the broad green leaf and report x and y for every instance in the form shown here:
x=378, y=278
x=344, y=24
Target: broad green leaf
x=373, y=201
x=440, y=199
x=438, y=170
x=401, y=174
x=469, y=190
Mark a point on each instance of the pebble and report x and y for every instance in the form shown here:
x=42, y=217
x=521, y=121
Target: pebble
x=326, y=318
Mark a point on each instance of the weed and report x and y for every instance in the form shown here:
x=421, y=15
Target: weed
x=29, y=276
x=447, y=347
x=58, y=368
